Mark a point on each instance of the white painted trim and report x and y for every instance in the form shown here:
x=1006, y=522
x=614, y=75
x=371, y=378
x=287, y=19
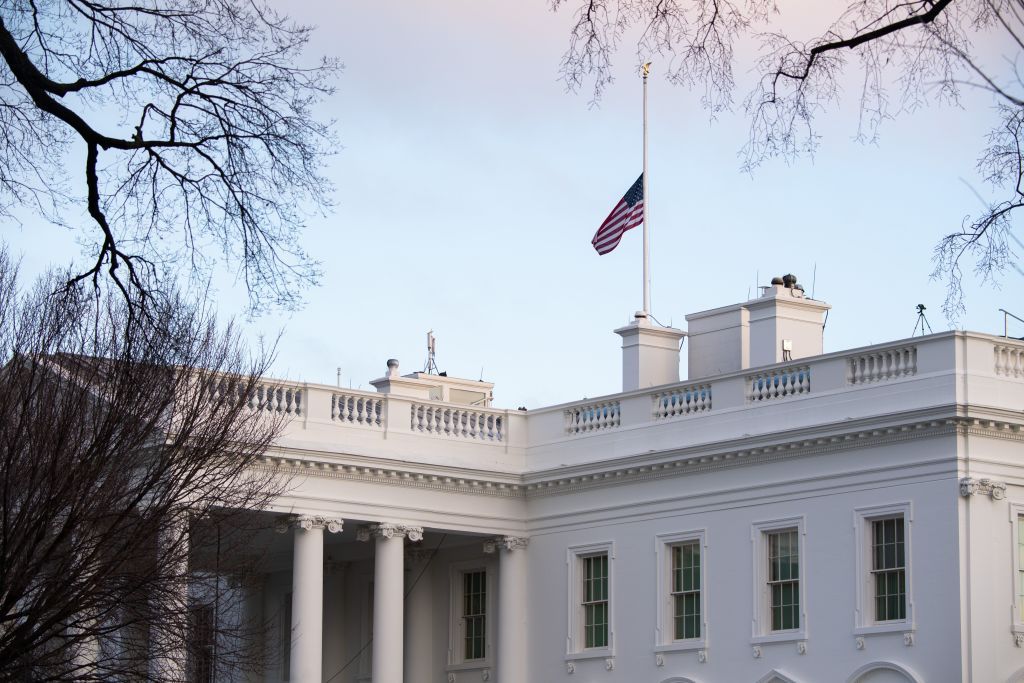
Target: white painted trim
x=1016, y=513
x=456, y=570
x=663, y=629
x=882, y=665
x=574, y=591
x=863, y=620
x=760, y=614
x=774, y=675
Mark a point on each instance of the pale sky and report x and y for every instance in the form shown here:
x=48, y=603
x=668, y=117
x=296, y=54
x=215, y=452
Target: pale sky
x=470, y=184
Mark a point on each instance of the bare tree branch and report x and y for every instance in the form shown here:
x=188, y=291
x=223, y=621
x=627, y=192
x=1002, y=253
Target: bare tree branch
x=197, y=127
x=130, y=453
x=911, y=53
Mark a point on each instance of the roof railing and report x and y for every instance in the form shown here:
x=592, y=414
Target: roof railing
x=1006, y=318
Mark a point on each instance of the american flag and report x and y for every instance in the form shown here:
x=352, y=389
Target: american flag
x=628, y=213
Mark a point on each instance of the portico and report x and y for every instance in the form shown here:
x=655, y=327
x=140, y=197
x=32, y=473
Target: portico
x=369, y=600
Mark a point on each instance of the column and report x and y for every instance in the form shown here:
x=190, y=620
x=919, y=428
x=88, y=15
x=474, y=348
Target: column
x=512, y=597
x=169, y=623
x=308, y=597
x=388, y=597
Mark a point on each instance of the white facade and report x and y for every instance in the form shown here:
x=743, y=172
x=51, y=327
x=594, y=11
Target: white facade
x=457, y=517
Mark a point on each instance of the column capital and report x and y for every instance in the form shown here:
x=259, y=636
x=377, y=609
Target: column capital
x=388, y=530
x=509, y=543
x=308, y=522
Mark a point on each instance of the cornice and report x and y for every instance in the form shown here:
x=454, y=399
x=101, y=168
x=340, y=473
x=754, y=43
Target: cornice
x=726, y=459
x=695, y=459
x=400, y=475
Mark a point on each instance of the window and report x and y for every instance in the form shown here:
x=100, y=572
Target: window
x=1017, y=546
x=595, y=601
x=686, y=590
x=888, y=566
x=1020, y=568
x=779, y=597
x=201, y=643
x=680, y=586
x=470, y=614
x=883, y=567
x=591, y=607
x=474, y=614
x=784, y=579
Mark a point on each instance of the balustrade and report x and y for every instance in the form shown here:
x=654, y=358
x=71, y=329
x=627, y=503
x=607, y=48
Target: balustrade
x=1009, y=360
x=467, y=423
x=272, y=398
x=357, y=409
x=682, y=401
x=589, y=418
x=276, y=399
x=882, y=365
x=779, y=383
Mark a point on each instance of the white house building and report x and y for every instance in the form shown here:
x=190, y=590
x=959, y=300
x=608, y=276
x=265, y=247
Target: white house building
x=782, y=515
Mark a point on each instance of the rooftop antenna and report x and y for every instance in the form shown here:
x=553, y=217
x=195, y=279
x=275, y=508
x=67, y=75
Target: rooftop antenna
x=431, y=365
x=337, y=381
x=814, y=279
x=922, y=322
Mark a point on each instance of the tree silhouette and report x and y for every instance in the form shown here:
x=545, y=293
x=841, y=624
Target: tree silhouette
x=910, y=53
x=194, y=126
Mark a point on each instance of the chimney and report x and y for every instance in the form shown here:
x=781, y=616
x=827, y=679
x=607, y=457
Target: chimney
x=650, y=354
x=780, y=325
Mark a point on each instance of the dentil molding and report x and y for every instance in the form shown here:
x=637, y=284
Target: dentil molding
x=692, y=460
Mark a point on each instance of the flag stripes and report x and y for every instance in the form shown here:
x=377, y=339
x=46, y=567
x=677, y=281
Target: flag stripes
x=627, y=214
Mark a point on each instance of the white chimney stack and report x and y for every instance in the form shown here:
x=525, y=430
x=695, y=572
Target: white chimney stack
x=780, y=325
x=650, y=354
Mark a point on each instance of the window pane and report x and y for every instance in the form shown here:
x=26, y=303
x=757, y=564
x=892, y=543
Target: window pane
x=474, y=608
x=595, y=601
x=783, y=579
x=685, y=589
x=888, y=562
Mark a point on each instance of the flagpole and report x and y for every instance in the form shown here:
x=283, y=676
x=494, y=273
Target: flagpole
x=647, y=254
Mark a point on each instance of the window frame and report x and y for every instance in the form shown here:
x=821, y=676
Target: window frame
x=576, y=636
x=863, y=525
x=201, y=661
x=664, y=630
x=761, y=622
x=1016, y=525
x=456, y=624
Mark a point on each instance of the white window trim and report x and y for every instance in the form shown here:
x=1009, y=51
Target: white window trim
x=1016, y=512
x=761, y=615
x=456, y=662
x=664, y=629
x=864, y=622
x=574, y=648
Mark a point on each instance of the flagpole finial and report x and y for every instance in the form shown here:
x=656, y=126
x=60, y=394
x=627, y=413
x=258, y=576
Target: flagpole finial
x=647, y=69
